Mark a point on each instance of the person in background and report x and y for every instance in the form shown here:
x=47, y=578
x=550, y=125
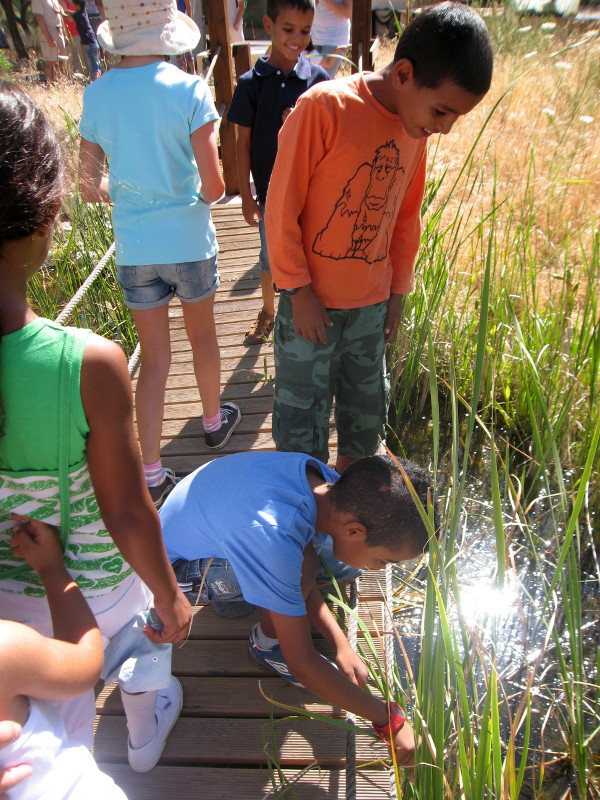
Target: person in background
x=331, y=32
x=76, y=58
x=89, y=43
x=262, y=99
x=52, y=40
x=235, y=15
x=185, y=61
x=95, y=12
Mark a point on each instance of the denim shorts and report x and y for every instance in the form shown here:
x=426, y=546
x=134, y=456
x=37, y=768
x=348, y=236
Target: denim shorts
x=263, y=258
x=155, y=285
x=221, y=587
x=137, y=663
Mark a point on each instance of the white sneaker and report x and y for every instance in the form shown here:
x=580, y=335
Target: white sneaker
x=168, y=709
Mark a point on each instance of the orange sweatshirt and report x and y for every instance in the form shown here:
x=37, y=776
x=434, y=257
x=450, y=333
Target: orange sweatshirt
x=344, y=202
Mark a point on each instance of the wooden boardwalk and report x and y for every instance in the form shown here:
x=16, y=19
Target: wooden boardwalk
x=229, y=739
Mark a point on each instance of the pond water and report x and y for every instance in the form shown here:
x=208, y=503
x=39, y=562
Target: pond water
x=511, y=620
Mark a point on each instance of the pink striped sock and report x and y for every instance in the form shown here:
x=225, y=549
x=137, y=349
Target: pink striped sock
x=212, y=424
x=154, y=473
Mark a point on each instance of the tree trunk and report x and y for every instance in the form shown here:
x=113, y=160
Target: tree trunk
x=13, y=28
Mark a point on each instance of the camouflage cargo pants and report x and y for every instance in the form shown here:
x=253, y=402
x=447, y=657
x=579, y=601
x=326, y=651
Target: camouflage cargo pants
x=350, y=367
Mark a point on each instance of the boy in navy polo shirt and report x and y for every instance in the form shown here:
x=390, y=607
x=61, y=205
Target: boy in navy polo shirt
x=262, y=100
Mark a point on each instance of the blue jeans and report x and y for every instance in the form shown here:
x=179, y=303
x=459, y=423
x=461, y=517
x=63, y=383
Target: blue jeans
x=92, y=57
x=221, y=588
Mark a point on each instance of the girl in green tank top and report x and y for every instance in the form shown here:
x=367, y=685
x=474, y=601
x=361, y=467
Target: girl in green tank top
x=68, y=453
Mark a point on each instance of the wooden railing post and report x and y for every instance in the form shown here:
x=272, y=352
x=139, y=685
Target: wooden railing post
x=241, y=58
x=361, y=34
x=218, y=32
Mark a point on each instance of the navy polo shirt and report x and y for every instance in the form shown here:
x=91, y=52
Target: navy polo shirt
x=259, y=100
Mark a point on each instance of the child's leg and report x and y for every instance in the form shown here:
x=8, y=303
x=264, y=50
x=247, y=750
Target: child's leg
x=362, y=390
x=200, y=327
x=261, y=328
x=305, y=377
x=152, y=326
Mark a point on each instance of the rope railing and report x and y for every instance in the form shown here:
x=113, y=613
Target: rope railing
x=67, y=311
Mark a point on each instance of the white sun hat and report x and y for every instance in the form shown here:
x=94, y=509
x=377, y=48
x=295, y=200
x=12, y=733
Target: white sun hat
x=148, y=28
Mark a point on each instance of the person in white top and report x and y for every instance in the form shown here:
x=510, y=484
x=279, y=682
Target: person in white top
x=56, y=669
x=330, y=32
x=52, y=39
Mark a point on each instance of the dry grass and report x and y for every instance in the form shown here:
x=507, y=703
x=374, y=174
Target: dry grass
x=540, y=152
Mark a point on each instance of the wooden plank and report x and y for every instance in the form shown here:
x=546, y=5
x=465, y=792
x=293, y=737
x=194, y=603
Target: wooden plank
x=294, y=741
x=199, y=740
x=230, y=697
x=213, y=783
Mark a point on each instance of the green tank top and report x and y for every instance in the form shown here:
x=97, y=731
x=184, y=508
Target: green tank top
x=30, y=376
x=29, y=388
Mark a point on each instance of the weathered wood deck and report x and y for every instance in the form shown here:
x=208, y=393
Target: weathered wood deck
x=225, y=741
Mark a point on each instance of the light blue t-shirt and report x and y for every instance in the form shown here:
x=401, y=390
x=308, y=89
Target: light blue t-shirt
x=142, y=117
x=254, y=509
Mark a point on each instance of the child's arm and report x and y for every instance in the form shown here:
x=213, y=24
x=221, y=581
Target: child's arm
x=69, y=664
x=241, y=7
x=250, y=208
x=206, y=153
x=348, y=662
x=93, y=184
x=116, y=471
x=321, y=678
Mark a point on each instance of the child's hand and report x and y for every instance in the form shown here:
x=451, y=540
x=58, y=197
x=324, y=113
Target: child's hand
x=393, y=317
x=251, y=211
x=404, y=746
x=11, y=776
x=353, y=667
x=37, y=543
x=286, y=113
x=310, y=316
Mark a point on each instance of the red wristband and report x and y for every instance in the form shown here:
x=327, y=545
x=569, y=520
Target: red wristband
x=397, y=720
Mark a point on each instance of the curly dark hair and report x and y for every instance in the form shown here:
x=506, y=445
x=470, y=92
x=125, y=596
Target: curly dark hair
x=448, y=42
x=31, y=166
x=374, y=490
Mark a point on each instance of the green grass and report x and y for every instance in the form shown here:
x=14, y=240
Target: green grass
x=80, y=241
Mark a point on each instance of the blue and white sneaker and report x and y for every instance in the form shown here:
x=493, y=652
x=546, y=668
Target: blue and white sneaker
x=271, y=659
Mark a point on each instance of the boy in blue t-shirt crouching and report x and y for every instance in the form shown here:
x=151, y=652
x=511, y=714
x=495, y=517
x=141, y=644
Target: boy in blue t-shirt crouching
x=250, y=526
x=262, y=100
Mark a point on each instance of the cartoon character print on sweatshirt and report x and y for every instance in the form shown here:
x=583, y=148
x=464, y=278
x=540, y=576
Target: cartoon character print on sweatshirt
x=360, y=220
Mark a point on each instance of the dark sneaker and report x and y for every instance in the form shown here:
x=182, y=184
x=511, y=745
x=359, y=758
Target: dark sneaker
x=159, y=493
x=230, y=419
x=271, y=660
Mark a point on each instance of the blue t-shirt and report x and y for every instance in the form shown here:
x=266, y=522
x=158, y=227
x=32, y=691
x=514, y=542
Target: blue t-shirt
x=254, y=509
x=142, y=117
x=260, y=98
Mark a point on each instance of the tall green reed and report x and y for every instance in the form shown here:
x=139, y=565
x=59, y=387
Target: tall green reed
x=81, y=239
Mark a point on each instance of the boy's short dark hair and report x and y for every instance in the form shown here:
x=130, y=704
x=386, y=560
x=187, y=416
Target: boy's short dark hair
x=450, y=42
x=275, y=7
x=374, y=490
